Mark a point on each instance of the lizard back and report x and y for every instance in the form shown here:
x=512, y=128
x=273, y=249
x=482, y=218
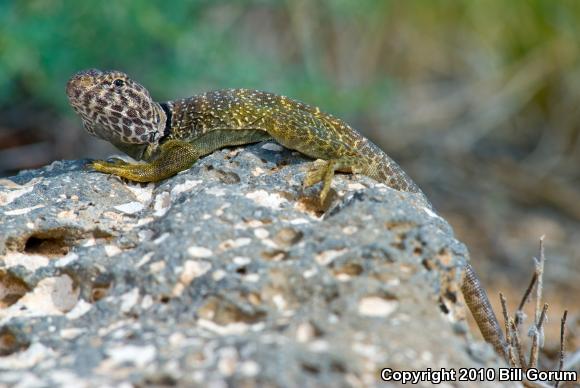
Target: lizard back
x=292, y=123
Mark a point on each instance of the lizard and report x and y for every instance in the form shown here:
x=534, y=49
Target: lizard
x=171, y=136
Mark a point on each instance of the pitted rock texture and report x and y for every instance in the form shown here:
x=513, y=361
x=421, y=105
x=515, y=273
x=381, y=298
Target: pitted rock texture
x=229, y=273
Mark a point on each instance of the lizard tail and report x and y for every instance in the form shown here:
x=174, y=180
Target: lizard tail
x=376, y=164
x=379, y=166
x=478, y=303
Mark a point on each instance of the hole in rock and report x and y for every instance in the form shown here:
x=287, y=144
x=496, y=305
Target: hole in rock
x=224, y=312
x=310, y=202
x=160, y=379
x=348, y=269
x=52, y=242
x=338, y=367
x=11, y=342
x=274, y=255
x=287, y=237
x=310, y=368
x=443, y=307
x=12, y=288
x=100, y=287
x=46, y=246
x=228, y=177
x=98, y=292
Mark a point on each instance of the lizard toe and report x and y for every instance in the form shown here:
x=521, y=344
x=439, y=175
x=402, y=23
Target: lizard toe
x=316, y=173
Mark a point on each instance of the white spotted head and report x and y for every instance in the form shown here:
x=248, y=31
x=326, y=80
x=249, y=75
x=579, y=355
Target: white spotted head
x=115, y=108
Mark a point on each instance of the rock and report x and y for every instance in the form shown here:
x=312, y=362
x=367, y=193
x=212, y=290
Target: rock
x=228, y=273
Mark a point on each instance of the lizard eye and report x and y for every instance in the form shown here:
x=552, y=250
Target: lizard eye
x=119, y=82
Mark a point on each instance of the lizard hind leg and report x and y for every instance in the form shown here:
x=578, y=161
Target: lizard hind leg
x=323, y=171
x=174, y=156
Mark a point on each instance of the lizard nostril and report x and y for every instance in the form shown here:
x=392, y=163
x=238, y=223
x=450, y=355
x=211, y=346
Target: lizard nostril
x=82, y=79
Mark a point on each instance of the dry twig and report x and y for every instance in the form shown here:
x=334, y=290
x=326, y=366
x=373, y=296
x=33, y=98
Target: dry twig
x=508, y=334
x=519, y=312
x=518, y=345
x=540, y=273
x=536, y=331
x=562, y=327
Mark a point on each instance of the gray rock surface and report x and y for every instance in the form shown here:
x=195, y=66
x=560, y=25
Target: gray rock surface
x=226, y=274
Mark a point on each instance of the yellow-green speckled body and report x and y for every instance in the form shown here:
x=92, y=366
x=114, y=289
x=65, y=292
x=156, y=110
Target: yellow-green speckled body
x=292, y=124
x=171, y=136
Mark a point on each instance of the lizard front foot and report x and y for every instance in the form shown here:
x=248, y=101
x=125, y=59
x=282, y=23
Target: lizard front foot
x=118, y=167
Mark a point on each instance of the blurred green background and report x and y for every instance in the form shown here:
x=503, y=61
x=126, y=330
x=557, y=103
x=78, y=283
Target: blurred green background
x=478, y=100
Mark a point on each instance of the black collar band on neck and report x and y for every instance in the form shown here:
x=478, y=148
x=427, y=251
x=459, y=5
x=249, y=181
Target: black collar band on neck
x=167, y=129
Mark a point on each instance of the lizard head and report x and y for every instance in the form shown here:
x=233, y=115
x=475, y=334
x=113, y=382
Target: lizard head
x=115, y=108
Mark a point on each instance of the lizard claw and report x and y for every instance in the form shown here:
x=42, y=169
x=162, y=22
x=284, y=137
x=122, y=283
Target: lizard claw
x=315, y=174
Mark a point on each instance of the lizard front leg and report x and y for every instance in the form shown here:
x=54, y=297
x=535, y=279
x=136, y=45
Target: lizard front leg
x=174, y=156
x=178, y=155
